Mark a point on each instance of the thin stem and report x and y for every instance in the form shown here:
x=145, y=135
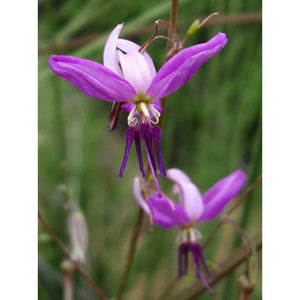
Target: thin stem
x=226, y=266
x=173, y=20
x=68, y=286
x=131, y=251
x=65, y=251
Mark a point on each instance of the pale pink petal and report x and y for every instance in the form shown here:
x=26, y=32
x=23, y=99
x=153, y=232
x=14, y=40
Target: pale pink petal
x=191, y=199
x=220, y=194
x=138, y=195
x=136, y=71
x=177, y=175
x=110, y=58
x=128, y=46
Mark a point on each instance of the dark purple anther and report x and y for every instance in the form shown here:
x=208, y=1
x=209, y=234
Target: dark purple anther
x=145, y=130
x=130, y=133
x=137, y=141
x=156, y=134
x=198, y=258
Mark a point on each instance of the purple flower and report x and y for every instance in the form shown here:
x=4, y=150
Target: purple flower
x=191, y=209
x=128, y=78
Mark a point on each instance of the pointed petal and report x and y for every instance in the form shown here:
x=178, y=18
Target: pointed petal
x=92, y=78
x=177, y=175
x=164, y=215
x=136, y=71
x=178, y=70
x=189, y=195
x=221, y=193
x=138, y=195
x=128, y=46
x=110, y=59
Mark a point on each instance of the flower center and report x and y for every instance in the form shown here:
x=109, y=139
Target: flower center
x=149, y=114
x=188, y=234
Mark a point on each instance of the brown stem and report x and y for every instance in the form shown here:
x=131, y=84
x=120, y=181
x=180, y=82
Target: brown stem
x=68, y=286
x=226, y=266
x=65, y=251
x=131, y=251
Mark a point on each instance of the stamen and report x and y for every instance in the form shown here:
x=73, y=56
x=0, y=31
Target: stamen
x=131, y=120
x=144, y=110
x=155, y=113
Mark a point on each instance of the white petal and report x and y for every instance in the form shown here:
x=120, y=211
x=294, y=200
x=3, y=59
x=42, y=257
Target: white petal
x=110, y=58
x=138, y=195
x=128, y=46
x=136, y=71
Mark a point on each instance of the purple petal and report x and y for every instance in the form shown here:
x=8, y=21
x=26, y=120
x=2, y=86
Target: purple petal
x=221, y=193
x=178, y=70
x=110, y=59
x=128, y=46
x=138, y=195
x=164, y=215
x=92, y=78
x=189, y=195
x=136, y=71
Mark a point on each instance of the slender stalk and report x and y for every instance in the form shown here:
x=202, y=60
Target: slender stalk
x=68, y=286
x=131, y=251
x=66, y=253
x=226, y=266
x=173, y=22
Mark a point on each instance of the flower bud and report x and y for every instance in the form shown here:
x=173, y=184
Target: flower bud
x=79, y=236
x=67, y=266
x=193, y=28
x=245, y=285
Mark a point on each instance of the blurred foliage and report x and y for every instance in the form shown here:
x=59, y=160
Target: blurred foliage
x=212, y=127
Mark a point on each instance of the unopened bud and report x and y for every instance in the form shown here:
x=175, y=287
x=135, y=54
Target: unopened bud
x=79, y=236
x=193, y=28
x=67, y=266
x=245, y=285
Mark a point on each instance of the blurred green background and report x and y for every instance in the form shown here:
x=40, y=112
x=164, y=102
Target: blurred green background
x=212, y=127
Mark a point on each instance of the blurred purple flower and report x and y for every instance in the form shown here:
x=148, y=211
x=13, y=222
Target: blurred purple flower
x=192, y=208
x=128, y=76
